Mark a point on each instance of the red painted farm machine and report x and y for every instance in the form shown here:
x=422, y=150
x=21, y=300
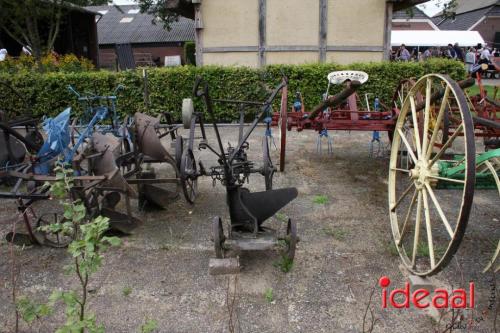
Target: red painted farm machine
x=444, y=144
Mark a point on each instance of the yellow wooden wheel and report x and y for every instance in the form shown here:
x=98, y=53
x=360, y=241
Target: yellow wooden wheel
x=429, y=211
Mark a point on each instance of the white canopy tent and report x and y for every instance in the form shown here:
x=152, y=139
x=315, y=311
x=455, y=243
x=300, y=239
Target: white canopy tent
x=435, y=37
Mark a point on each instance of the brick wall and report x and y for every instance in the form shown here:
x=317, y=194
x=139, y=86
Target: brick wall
x=107, y=54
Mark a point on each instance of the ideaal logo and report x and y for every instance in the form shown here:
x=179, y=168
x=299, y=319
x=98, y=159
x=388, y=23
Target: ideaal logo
x=441, y=298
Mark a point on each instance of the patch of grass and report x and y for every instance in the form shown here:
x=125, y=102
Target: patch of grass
x=285, y=264
x=423, y=249
x=336, y=233
x=149, y=326
x=166, y=247
x=390, y=248
x=474, y=90
x=126, y=291
x=320, y=199
x=281, y=217
x=269, y=295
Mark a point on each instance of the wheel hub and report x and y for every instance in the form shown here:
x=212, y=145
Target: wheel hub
x=421, y=174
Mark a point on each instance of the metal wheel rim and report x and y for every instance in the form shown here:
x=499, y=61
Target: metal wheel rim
x=189, y=181
x=268, y=165
x=282, y=125
x=53, y=239
x=457, y=232
x=218, y=234
x=291, y=233
x=179, y=146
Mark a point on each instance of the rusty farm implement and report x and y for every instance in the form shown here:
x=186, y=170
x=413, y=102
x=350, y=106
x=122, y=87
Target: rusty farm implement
x=248, y=210
x=111, y=159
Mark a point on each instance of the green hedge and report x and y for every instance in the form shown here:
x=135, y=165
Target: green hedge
x=168, y=86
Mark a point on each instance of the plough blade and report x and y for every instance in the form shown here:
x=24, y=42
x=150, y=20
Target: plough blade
x=263, y=205
x=19, y=239
x=158, y=196
x=109, y=146
x=120, y=222
x=148, y=140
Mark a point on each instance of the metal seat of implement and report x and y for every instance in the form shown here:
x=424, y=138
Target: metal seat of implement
x=339, y=77
x=249, y=210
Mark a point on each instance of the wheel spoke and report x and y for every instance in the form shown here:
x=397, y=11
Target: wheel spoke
x=427, y=113
x=408, y=147
x=415, y=125
x=459, y=181
x=417, y=228
x=400, y=170
x=408, y=214
x=439, y=119
x=405, y=193
x=494, y=173
x=440, y=210
x=428, y=227
x=446, y=145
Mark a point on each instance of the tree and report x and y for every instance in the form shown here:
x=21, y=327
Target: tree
x=448, y=8
x=167, y=11
x=36, y=23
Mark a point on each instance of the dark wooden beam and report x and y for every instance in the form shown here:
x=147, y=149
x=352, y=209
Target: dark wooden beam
x=262, y=33
x=323, y=28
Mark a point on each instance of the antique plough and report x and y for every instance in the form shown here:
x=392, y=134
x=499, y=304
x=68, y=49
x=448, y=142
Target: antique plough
x=248, y=210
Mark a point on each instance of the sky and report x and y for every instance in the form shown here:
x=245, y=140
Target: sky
x=429, y=7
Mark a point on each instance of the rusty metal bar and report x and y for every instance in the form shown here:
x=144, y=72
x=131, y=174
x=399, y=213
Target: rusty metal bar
x=336, y=99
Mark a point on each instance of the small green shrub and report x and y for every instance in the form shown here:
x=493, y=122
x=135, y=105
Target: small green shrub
x=269, y=295
x=320, y=199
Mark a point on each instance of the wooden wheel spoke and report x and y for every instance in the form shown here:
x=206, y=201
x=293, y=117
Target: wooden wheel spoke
x=439, y=210
x=400, y=170
x=428, y=227
x=439, y=119
x=408, y=147
x=427, y=114
x=405, y=193
x=417, y=228
x=415, y=125
x=451, y=180
x=493, y=171
x=408, y=214
x=446, y=145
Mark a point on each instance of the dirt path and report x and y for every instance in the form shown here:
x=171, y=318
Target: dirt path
x=345, y=248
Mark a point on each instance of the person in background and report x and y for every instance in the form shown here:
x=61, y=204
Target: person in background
x=404, y=54
x=3, y=54
x=458, y=52
x=496, y=52
x=450, y=52
x=435, y=52
x=484, y=58
x=427, y=54
x=470, y=59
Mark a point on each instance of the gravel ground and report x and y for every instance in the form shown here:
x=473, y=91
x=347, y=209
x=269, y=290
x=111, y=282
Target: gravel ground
x=161, y=271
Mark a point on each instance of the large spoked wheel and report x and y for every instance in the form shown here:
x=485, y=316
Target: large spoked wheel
x=423, y=199
x=189, y=178
x=282, y=126
x=56, y=237
x=291, y=239
x=218, y=234
x=268, y=168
